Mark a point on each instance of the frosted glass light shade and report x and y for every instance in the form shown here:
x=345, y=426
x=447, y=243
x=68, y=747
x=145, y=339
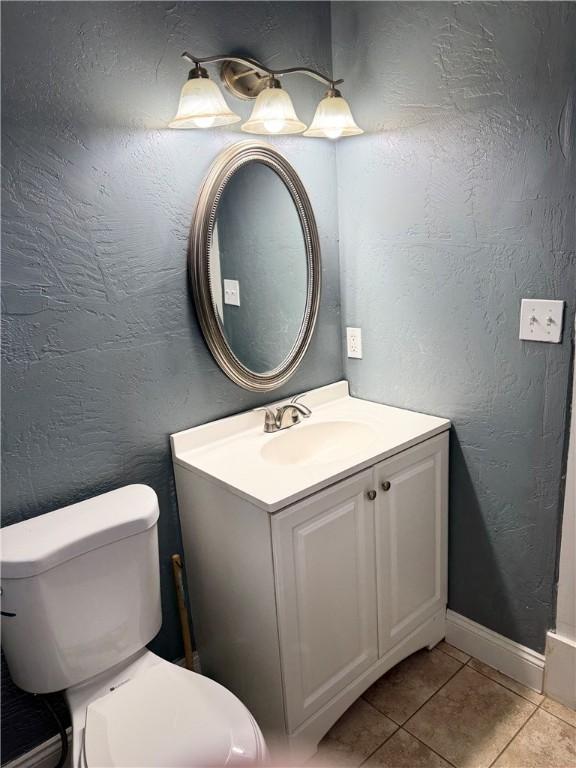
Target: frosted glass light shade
x=273, y=114
x=202, y=106
x=333, y=119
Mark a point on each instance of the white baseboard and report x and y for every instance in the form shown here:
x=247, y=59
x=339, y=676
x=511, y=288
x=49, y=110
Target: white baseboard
x=45, y=755
x=560, y=677
x=512, y=659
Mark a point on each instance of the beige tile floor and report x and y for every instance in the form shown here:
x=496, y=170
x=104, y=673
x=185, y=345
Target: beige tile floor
x=441, y=708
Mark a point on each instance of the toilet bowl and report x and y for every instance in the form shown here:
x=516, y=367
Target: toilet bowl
x=84, y=582
x=150, y=713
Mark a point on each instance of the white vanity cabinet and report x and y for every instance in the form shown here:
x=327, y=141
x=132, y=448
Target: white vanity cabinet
x=302, y=599
x=355, y=575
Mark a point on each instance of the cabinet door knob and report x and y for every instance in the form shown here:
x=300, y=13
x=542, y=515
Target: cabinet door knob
x=371, y=495
x=386, y=485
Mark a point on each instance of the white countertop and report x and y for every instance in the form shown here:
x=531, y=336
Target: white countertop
x=229, y=451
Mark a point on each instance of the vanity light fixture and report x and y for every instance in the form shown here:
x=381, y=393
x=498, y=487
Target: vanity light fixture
x=333, y=118
x=202, y=104
x=273, y=112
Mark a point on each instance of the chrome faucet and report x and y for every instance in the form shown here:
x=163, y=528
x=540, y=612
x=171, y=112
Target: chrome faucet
x=286, y=415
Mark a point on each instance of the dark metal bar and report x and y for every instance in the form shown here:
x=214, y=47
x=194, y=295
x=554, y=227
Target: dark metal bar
x=259, y=67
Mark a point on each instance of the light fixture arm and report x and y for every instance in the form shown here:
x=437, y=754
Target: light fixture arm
x=257, y=67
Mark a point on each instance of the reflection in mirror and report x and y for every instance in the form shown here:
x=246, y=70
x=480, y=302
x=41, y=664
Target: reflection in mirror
x=258, y=267
x=255, y=265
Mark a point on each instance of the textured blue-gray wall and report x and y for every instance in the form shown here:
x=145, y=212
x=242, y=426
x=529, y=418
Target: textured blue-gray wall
x=102, y=355
x=460, y=203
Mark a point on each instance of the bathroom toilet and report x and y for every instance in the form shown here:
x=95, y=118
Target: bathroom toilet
x=153, y=713
x=81, y=598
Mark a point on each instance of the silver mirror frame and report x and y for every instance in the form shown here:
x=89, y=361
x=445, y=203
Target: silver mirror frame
x=225, y=165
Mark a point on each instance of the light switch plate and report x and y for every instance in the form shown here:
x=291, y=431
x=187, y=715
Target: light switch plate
x=232, y=292
x=541, y=320
x=354, y=342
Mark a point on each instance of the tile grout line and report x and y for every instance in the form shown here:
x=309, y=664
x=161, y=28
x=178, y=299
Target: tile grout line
x=387, y=737
x=375, y=708
x=511, y=690
x=473, y=658
x=394, y=733
x=466, y=664
x=445, y=759
x=400, y=727
x=460, y=668
x=380, y=745
x=518, y=732
x=557, y=717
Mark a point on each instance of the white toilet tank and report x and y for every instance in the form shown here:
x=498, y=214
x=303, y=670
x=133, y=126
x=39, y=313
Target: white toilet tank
x=80, y=588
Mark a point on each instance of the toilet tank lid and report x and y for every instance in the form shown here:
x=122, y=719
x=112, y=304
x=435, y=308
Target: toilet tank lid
x=40, y=543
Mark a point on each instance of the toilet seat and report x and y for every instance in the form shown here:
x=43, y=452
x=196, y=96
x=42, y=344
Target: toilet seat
x=169, y=716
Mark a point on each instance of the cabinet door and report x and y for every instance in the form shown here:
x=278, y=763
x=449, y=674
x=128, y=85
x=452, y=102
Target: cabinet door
x=411, y=538
x=326, y=591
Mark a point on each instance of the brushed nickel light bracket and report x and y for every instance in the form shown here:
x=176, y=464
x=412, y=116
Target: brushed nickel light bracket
x=242, y=81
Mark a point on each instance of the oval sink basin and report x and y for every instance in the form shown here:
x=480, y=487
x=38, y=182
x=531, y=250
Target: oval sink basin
x=320, y=443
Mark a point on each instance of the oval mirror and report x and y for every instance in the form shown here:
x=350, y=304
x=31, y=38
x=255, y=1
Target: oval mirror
x=255, y=265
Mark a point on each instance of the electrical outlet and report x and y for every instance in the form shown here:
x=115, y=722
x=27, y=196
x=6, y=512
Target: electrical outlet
x=232, y=292
x=354, y=342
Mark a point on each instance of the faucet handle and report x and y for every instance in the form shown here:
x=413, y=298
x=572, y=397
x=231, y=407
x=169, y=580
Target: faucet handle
x=296, y=398
x=270, y=421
